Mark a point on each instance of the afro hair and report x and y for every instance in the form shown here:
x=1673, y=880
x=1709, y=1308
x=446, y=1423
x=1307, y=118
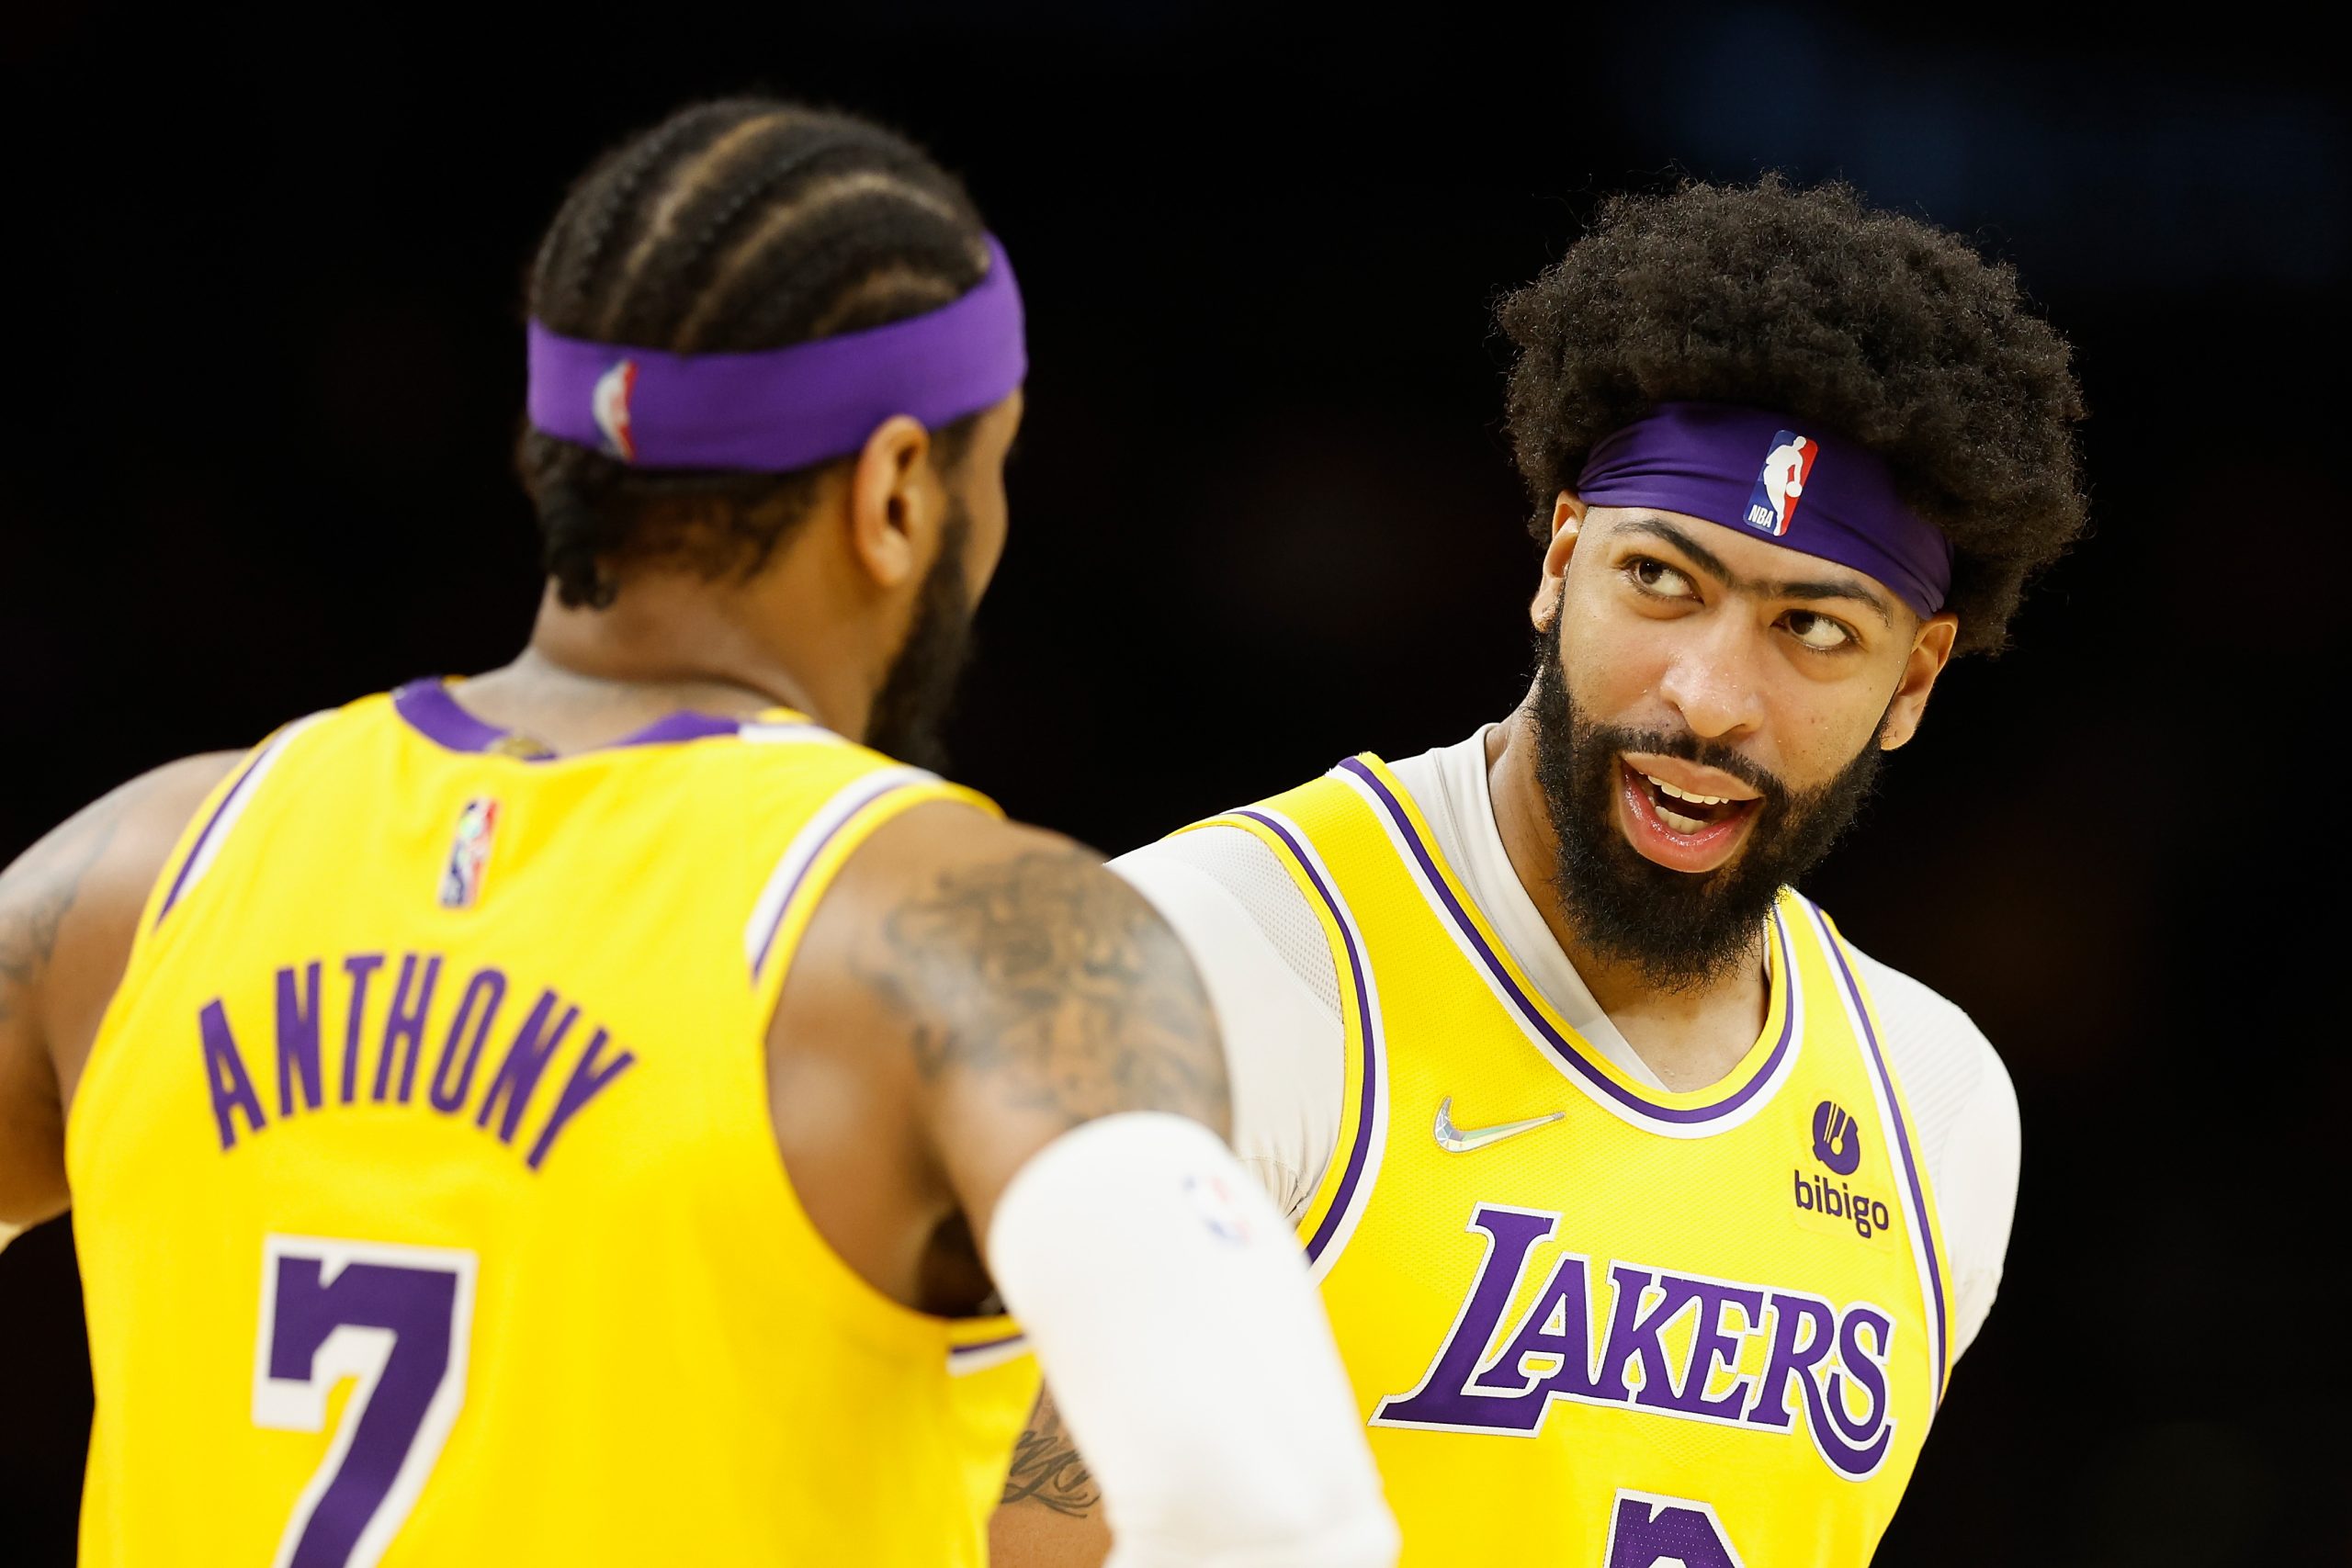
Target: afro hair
x=1810, y=303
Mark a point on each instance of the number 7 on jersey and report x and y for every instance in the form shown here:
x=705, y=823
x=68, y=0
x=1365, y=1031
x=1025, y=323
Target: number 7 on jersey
x=399, y=1319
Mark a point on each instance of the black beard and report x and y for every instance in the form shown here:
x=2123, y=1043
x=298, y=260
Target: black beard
x=1677, y=929
x=920, y=685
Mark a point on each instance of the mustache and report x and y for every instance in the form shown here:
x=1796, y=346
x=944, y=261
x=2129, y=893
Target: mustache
x=1685, y=746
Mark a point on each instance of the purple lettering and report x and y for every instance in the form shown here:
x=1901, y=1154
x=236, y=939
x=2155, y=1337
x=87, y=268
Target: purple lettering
x=1562, y=1301
x=526, y=1058
x=484, y=992
x=1546, y=1354
x=404, y=1025
x=1792, y=1355
x=1854, y=1447
x=587, y=1082
x=361, y=967
x=224, y=1076
x=1710, y=1344
x=297, y=1038
x=411, y=1371
x=1634, y=1335
x=1647, y=1530
x=1444, y=1398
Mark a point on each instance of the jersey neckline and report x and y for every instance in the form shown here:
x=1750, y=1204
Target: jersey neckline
x=1712, y=1108
x=429, y=707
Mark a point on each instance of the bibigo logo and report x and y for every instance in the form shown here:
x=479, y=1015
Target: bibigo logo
x=1836, y=1139
x=1837, y=1144
x=1773, y=502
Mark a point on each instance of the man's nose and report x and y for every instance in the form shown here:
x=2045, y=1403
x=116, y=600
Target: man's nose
x=1714, y=682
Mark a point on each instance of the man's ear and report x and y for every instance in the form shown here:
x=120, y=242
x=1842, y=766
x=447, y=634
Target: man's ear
x=894, y=503
x=1568, y=521
x=1930, y=651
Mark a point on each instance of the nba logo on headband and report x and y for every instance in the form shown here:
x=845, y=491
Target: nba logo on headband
x=1697, y=459
x=1773, y=502
x=609, y=403
x=773, y=411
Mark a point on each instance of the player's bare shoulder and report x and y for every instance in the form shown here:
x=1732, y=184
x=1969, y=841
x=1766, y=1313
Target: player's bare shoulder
x=69, y=906
x=1021, y=966
x=967, y=991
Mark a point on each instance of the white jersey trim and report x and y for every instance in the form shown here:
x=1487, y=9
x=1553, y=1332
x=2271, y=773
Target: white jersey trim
x=1898, y=1128
x=225, y=816
x=1354, y=1193
x=792, y=866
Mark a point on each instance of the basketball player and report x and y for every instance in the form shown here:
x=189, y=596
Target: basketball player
x=587, y=1113
x=1651, y=1213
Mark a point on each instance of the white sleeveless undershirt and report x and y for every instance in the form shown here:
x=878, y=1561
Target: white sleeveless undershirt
x=1269, y=971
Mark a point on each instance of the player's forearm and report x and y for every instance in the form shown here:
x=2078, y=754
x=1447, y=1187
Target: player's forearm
x=1188, y=1353
x=1051, y=1513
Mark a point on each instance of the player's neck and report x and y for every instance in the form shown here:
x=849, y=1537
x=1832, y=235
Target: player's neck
x=1692, y=1037
x=665, y=645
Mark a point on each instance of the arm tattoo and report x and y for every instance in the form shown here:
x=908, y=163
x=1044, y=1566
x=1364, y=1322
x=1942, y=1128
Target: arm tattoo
x=1048, y=1468
x=1049, y=975
x=37, y=892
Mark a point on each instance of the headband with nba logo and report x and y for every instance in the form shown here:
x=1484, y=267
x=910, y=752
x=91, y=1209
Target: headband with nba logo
x=1754, y=471
x=780, y=409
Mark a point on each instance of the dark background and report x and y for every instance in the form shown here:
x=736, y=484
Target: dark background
x=265, y=365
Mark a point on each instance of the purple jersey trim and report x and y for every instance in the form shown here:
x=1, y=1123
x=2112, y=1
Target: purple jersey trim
x=1567, y=1054
x=978, y=1346
x=1903, y=1141
x=881, y=785
x=195, y=848
x=433, y=711
x=1367, y=1097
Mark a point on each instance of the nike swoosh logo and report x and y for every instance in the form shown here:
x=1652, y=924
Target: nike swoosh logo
x=1453, y=1140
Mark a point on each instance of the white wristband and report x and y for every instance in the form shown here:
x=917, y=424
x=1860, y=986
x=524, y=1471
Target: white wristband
x=1187, y=1350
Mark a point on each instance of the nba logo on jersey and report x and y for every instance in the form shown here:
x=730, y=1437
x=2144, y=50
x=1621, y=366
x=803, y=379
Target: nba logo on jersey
x=469, y=854
x=609, y=403
x=1774, y=499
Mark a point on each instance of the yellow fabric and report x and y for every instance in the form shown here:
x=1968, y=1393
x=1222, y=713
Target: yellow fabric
x=1545, y=1461
x=657, y=1358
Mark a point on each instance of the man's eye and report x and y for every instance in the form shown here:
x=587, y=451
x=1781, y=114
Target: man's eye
x=1654, y=577
x=1817, y=632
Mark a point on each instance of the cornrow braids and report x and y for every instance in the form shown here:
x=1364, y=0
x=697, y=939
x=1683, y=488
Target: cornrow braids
x=732, y=226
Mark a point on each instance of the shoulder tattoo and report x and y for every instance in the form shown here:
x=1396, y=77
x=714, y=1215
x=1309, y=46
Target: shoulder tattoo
x=39, y=891
x=1047, y=973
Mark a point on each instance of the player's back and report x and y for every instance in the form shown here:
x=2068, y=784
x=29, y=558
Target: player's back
x=425, y=1187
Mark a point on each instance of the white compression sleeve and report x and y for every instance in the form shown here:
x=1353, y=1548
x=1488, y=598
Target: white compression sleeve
x=1188, y=1352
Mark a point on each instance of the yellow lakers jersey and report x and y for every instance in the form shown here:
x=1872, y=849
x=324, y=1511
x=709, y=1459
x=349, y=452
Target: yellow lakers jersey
x=425, y=1188
x=1590, y=1322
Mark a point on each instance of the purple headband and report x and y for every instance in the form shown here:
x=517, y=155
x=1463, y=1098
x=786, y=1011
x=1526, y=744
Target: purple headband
x=782, y=409
x=1748, y=469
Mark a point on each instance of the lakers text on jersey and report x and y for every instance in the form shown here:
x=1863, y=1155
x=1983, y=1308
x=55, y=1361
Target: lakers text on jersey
x=1588, y=1321
x=427, y=1202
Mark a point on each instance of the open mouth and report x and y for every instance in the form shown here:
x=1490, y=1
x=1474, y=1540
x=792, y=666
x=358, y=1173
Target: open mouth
x=1686, y=811
x=1684, y=828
